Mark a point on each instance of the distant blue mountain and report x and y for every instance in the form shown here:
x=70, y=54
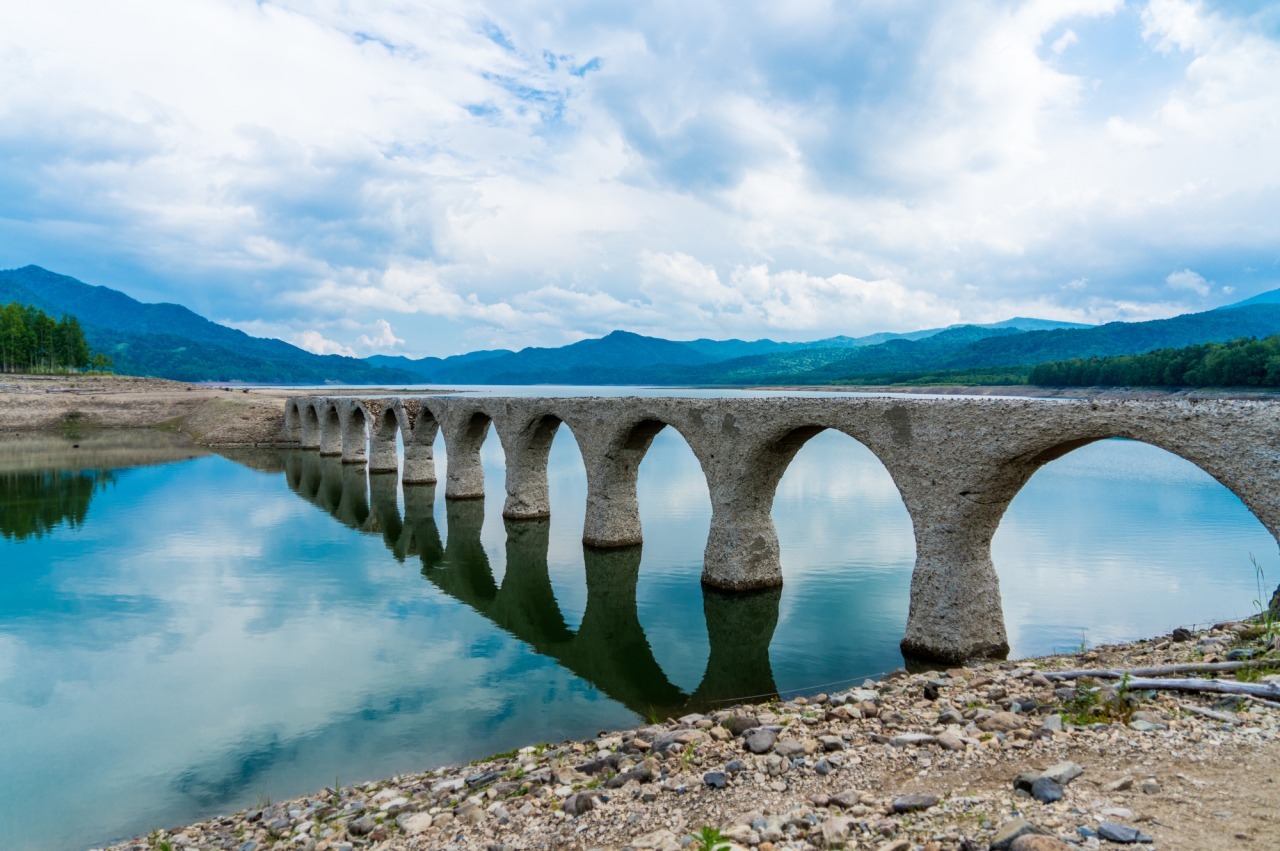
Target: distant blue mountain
x=1269, y=297
x=622, y=357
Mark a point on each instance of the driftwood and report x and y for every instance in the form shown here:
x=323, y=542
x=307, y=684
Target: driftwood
x=1163, y=670
x=1224, y=717
x=1265, y=690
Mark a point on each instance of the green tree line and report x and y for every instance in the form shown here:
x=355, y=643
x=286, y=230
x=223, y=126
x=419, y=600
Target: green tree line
x=33, y=341
x=1246, y=362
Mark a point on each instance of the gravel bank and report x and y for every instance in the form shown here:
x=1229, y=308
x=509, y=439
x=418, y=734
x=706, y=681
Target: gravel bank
x=969, y=758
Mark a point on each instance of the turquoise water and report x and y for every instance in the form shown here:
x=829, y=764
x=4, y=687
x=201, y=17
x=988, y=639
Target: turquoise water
x=185, y=638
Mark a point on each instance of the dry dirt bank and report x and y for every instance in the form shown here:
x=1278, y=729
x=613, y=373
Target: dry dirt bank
x=208, y=415
x=921, y=762
x=212, y=415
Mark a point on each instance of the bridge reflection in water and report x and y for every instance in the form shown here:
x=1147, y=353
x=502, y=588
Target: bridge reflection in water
x=609, y=648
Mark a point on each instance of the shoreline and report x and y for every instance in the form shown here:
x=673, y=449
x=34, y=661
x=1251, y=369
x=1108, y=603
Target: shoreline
x=912, y=762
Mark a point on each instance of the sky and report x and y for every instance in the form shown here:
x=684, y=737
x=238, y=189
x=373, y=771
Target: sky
x=428, y=179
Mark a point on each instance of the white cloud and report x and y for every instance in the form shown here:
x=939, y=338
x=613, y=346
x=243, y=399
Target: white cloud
x=1190, y=281
x=314, y=341
x=1062, y=42
x=317, y=168
x=382, y=339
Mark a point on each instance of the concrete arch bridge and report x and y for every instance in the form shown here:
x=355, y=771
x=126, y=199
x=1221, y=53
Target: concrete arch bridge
x=957, y=464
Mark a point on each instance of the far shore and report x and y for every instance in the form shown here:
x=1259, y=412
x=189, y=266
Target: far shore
x=1031, y=391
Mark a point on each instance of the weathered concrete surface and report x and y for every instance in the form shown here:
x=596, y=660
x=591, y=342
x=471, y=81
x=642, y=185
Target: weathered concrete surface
x=957, y=463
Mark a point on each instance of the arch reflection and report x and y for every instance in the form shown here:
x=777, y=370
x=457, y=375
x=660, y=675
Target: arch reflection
x=609, y=649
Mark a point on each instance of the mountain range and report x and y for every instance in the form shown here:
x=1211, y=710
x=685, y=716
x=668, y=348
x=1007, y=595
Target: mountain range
x=170, y=341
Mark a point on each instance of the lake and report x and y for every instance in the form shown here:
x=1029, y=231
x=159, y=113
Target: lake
x=184, y=633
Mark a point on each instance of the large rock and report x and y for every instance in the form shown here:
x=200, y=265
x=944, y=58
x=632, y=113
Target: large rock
x=739, y=723
x=659, y=840
x=1121, y=834
x=412, y=824
x=761, y=741
x=1036, y=842
x=1002, y=722
x=579, y=803
x=915, y=802
x=1063, y=772
x=788, y=748
x=1011, y=830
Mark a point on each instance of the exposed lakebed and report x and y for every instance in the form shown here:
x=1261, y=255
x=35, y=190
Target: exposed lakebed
x=185, y=637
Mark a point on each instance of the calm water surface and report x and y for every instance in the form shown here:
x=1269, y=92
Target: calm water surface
x=183, y=634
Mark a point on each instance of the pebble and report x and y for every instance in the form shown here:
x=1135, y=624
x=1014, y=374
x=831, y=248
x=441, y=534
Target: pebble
x=1121, y=833
x=912, y=803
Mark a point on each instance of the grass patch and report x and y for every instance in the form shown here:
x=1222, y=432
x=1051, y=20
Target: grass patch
x=1089, y=706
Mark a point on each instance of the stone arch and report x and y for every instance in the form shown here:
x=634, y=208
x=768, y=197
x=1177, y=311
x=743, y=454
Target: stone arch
x=355, y=434
x=464, y=434
x=382, y=441
x=742, y=548
x=528, y=446
x=1083, y=514
x=292, y=432
x=419, y=426
x=1235, y=468
x=1236, y=471
x=330, y=429
x=613, y=509
x=957, y=503
x=309, y=422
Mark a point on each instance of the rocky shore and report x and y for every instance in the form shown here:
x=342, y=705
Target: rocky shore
x=1016, y=755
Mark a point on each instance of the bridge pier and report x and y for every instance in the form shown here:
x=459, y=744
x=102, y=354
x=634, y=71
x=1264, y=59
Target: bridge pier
x=613, y=512
x=382, y=442
x=418, y=428
x=355, y=438
x=463, y=437
x=955, y=612
x=613, y=465
x=330, y=444
x=742, y=548
x=309, y=427
x=527, y=450
x=292, y=431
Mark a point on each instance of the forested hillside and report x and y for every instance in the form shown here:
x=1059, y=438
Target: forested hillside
x=1237, y=363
